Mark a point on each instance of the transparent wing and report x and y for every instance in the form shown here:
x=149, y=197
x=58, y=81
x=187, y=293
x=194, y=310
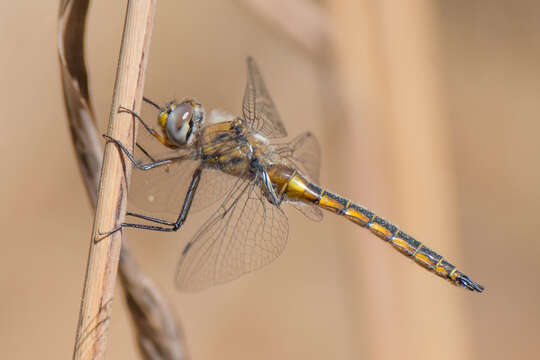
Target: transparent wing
x=157, y=191
x=162, y=190
x=258, y=108
x=312, y=212
x=246, y=233
x=304, y=154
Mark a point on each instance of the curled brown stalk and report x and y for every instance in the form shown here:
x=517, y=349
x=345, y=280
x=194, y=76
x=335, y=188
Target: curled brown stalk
x=158, y=335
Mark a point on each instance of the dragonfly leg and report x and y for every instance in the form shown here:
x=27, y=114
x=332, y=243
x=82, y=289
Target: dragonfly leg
x=147, y=100
x=143, y=150
x=150, y=218
x=269, y=188
x=147, y=127
x=138, y=165
x=168, y=226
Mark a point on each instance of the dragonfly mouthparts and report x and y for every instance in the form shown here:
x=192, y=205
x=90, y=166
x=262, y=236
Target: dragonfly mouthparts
x=465, y=281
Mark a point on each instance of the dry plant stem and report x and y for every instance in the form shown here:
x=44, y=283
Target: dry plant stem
x=158, y=333
x=104, y=255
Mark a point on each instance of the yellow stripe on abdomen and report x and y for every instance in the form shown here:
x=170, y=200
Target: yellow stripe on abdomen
x=389, y=232
x=292, y=186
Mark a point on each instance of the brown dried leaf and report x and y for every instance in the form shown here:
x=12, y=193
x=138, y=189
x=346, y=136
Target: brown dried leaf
x=71, y=24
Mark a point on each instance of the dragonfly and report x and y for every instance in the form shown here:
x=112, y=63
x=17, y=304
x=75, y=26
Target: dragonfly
x=240, y=160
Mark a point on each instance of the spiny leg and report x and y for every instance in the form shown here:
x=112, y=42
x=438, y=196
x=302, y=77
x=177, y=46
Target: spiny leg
x=188, y=200
x=140, y=166
x=143, y=150
x=150, y=130
x=150, y=218
x=152, y=103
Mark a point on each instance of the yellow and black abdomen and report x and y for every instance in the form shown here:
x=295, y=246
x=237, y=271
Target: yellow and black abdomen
x=294, y=187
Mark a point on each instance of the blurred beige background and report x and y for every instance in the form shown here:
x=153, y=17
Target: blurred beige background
x=426, y=113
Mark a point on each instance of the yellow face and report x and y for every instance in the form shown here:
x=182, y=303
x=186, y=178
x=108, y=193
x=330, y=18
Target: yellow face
x=164, y=114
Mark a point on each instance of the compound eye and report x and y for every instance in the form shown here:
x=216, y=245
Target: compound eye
x=180, y=122
x=181, y=114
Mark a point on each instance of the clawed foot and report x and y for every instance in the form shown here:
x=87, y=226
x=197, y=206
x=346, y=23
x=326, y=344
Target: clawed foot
x=101, y=236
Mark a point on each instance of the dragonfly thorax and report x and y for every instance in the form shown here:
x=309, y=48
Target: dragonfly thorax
x=234, y=148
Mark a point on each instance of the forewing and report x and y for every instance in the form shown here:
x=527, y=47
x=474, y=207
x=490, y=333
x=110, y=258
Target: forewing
x=258, y=108
x=246, y=233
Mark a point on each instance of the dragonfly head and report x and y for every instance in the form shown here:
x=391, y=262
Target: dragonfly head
x=181, y=122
